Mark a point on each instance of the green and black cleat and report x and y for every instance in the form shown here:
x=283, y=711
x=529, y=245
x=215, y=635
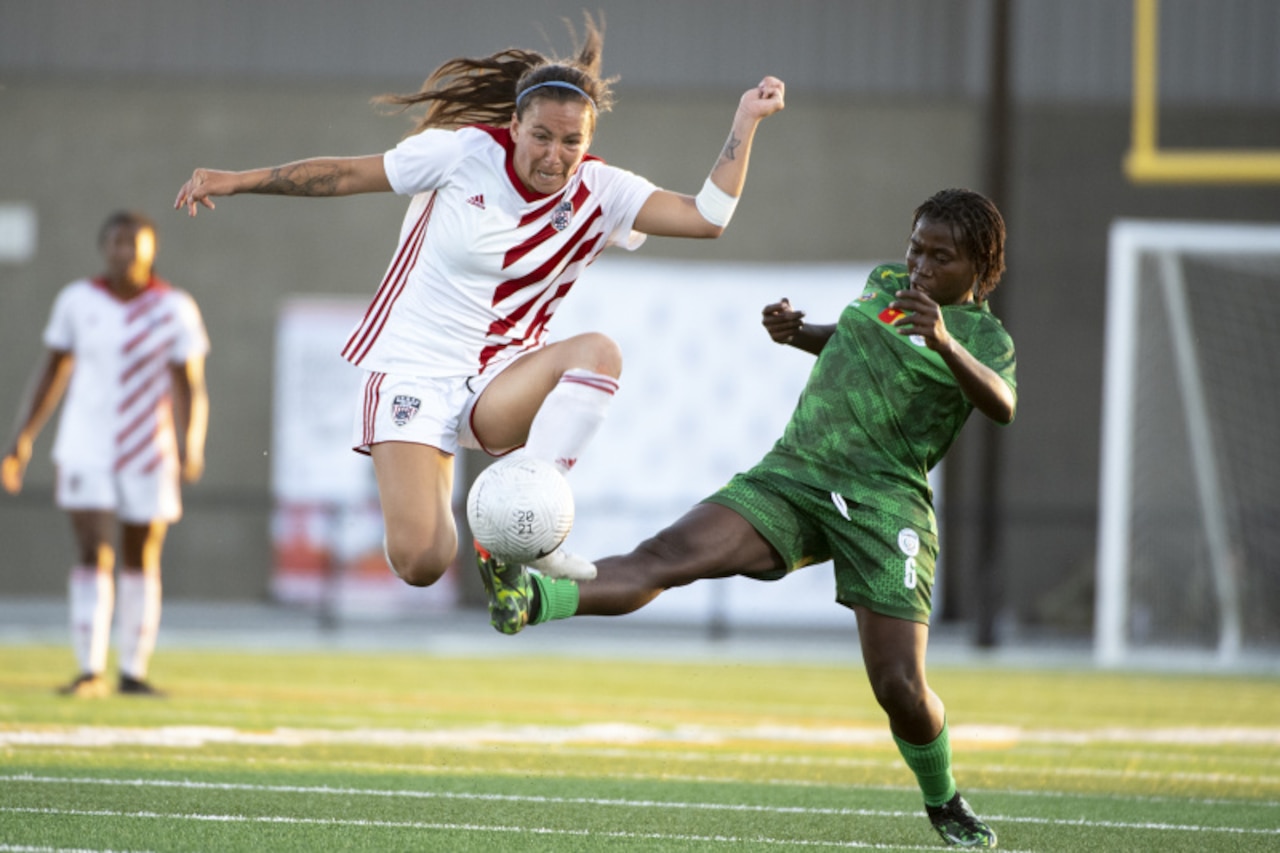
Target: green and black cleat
x=959, y=826
x=509, y=589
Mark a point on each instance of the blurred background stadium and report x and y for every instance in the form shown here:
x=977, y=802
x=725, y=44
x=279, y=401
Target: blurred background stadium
x=112, y=104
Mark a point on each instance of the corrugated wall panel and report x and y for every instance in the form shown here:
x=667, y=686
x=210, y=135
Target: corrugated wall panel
x=1072, y=51
x=1224, y=51
x=877, y=47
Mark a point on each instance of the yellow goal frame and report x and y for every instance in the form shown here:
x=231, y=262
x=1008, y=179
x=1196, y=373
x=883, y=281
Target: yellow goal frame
x=1145, y=161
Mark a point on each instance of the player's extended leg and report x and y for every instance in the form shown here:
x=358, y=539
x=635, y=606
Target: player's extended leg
x=415, y=485
x=138, y=603
x=709, y=541
x=91, y=593
x=893, y=651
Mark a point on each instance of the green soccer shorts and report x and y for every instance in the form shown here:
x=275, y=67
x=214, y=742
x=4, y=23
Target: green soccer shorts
x=882, y=562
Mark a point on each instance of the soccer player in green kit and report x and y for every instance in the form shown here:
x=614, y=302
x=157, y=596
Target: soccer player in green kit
x=895, y=380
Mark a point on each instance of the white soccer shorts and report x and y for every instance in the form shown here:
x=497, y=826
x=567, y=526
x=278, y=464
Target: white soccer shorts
x=418, y=410
x=135, y=498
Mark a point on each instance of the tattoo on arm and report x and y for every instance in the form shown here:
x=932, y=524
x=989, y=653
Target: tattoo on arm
x=730, y=150
x=300, y=179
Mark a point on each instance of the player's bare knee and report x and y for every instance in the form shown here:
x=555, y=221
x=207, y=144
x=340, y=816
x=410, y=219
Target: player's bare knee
x=664, y=562
x=898, y=692
x=600, y=353
x=420, y=574
x=419, y=567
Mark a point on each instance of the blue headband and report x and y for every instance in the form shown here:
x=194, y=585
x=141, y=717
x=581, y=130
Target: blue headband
x=559, y=84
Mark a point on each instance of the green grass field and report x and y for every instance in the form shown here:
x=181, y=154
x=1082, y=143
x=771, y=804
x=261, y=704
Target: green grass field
x=319, y=752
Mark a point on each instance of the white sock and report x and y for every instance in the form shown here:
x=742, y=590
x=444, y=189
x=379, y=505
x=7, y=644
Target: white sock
x=92, y=597
x=139, y=621
x=570, y=416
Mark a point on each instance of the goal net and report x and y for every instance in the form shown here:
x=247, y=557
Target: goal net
x=1189, y=506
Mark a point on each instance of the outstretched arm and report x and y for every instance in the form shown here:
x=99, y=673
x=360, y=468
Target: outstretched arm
x=670, y=214
x=44, y=391
x=787, y=326
x=318, y=176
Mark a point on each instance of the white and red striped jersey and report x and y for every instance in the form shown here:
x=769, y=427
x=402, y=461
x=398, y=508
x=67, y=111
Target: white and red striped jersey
x=482, y=262
x=117, y=412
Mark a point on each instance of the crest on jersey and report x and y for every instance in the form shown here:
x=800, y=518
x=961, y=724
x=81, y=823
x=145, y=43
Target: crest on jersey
x=909, y=541
x=403, y=408
x=562, y=215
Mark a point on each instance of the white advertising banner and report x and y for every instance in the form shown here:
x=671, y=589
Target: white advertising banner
x=704, y=394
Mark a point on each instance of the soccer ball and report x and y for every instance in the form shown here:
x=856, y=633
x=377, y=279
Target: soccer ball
x=520, y=509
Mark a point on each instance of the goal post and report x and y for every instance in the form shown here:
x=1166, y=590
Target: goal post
x=1148, y=162
x=1188, y=561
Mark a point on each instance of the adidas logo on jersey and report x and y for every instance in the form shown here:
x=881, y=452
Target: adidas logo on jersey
x=477, y=201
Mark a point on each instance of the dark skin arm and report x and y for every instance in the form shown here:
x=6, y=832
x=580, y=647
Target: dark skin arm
x=787, y=326
x=981, y=385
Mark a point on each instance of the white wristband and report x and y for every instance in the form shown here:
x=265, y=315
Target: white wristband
x=715, y=205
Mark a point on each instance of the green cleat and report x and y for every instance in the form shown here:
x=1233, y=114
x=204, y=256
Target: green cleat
x=510, y=592
x=959, y=826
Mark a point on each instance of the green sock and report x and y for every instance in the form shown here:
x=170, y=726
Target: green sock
x=932, y=765
x=557, y=598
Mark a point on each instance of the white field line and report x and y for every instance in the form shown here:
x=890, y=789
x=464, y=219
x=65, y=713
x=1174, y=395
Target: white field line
x=618, y=733
x=27, y=848
x=455, y=768
x=1245, y=756
x=577, y=739
x=468, y=827
x=186, y=784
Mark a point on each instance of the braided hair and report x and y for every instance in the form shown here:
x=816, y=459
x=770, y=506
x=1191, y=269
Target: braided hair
x=977, y=226
x=488, y=90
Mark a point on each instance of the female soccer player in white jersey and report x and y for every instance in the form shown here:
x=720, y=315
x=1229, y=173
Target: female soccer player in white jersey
x=507, y=211
x=128, y=349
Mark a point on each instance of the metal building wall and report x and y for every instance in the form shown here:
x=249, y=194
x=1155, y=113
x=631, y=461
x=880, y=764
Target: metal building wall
x=882, y=47
x=1223, y=52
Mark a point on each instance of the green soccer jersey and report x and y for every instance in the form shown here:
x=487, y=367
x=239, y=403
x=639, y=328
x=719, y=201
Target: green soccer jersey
x=881, y=409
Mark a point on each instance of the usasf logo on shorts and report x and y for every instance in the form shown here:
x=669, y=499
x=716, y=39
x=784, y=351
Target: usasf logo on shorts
x=403, y=408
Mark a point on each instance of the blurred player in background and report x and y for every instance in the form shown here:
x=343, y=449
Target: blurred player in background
x=507, y=212
x=128, y=350
x=895, y=380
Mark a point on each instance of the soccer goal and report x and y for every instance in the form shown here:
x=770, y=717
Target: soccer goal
x=1189, y=506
